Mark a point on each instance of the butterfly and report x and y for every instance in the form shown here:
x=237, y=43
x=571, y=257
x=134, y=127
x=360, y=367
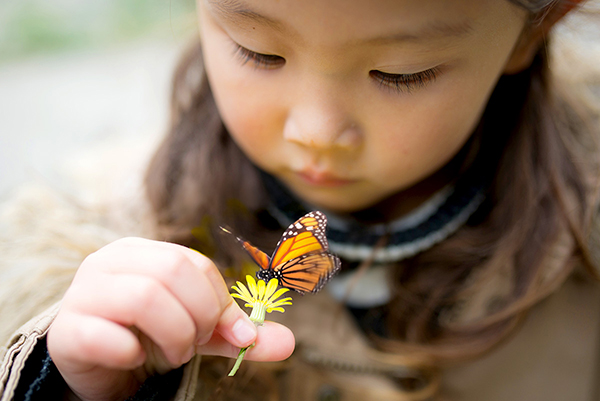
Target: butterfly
x=301, y=260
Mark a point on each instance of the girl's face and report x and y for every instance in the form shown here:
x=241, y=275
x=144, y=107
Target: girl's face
x=350, y=101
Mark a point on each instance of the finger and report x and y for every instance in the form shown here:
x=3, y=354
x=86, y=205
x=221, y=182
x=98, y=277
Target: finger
x=138, y=301
x=235, y=326
x=190, y=276
x=76, y=339
x=275, y=342
x=165, y=260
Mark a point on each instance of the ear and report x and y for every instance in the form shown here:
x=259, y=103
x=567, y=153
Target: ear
x=533, y=36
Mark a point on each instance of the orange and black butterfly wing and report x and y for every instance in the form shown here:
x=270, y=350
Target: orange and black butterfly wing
x=258, y=256
x=309, y=272
x=301, y=260
x=305, y=235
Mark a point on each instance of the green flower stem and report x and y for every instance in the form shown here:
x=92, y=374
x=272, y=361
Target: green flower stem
x=239, y=359
x=258, y=320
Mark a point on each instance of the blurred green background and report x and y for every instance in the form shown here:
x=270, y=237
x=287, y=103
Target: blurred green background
x=85, y=84
x=36, y=26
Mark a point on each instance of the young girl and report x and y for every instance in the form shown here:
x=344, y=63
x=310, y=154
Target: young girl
x=458, y=180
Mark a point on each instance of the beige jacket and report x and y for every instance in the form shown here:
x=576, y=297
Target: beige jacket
x=44, y=236
x=554, y=355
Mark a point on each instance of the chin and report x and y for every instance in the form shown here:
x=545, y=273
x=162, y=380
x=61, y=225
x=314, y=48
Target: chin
x=340, y=205
x=335, y=199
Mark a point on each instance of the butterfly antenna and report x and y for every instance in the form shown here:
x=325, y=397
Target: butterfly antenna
x=226, y=230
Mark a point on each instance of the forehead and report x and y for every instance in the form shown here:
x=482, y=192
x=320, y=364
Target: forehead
x=364, y=20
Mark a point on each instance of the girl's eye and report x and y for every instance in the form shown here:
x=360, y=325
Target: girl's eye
x=265, y=61
x=405, y=82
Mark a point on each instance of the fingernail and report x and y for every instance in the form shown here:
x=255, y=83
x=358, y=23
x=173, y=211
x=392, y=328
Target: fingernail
x=244, y=331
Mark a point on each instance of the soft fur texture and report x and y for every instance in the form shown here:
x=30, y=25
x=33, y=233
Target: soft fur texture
x=46, y=233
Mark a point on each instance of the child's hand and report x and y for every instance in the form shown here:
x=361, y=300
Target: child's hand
x=138, y=307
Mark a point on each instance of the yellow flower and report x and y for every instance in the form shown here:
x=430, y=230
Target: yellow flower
x=261, y=297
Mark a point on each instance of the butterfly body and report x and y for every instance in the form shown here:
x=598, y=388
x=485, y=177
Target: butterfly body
x=301, y=260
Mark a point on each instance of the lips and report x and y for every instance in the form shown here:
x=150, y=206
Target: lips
x=323, y=178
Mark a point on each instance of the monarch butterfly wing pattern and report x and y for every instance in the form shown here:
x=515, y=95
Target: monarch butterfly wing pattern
x=258, y=256
x=301, y=259
x=305, y=235
x=309, y=272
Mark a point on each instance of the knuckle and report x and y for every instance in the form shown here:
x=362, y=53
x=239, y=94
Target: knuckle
x=144, y=292
x=82, y=341
x=73, y=296
x=201, y=262
x=177, y=264
x=210, y=320
x=98, y=257
x=212, y=317
x=187, y=335
x=206, y=266
x=127, y=242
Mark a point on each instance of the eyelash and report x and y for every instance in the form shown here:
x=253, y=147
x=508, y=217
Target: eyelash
x=266, y=61
x=405, y=82
x=398, y=82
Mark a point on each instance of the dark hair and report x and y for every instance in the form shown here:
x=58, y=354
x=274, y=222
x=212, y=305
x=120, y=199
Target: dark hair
x=463, y=296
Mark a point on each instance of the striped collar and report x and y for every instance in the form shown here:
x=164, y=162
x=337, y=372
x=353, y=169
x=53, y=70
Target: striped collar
x=432, y=222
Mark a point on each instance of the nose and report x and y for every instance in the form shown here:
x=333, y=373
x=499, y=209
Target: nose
x=319, y=120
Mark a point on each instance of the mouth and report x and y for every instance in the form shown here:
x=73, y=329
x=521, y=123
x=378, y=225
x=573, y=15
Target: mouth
x=323, y=179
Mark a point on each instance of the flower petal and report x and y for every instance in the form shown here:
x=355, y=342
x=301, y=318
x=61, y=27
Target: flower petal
x=279, y=293
x=269, y=310
x=236, y=288
x=280, y=302
x=243, y=298
x=252, y=286
x=242, y=290
x=271, y=287
x=261, y=290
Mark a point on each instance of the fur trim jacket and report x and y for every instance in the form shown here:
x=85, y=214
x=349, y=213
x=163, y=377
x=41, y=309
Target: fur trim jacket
x=45, y=236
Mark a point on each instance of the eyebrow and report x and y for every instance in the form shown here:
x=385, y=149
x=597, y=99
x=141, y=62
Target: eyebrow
x=234, y=10
x=433, y=30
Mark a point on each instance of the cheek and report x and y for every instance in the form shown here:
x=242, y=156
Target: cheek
x=247, y=113
x=252, y=125
x=248, y=126
x=427, y=133
x=243, y=117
